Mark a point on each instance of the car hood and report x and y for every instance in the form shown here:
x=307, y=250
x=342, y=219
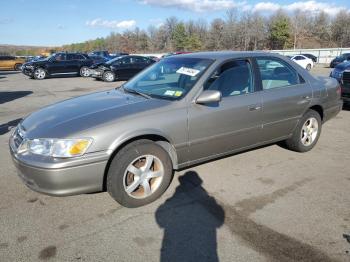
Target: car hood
x=100, y=64
x=75, y=116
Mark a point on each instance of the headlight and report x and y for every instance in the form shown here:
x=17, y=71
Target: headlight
x=29, y=66
x=61, y=148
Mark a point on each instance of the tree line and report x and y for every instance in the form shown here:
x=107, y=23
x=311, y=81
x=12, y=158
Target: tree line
x=235, y=31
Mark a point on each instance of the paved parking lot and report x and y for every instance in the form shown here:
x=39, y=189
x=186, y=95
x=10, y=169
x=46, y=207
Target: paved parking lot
x=268, y=204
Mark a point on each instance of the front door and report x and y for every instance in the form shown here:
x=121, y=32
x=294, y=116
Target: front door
x=57, y=65
x=233, y=123
x=286, y=96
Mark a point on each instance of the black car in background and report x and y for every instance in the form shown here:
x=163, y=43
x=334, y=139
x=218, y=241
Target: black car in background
x=312, y=57
x=59, y=64
x=339, y=59
x=121, y=68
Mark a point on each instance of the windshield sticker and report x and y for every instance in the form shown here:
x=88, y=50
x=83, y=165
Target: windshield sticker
x=169, y=93
x=178, y=93
x=187, y=71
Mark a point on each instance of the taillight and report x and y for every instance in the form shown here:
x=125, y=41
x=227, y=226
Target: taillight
x=339, y=90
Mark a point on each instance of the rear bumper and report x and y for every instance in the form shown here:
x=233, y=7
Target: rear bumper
x=64, y=181
x=332, y=111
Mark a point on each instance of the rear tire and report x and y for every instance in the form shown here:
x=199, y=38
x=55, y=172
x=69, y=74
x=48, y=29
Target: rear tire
x=139, y=174
x=308, y=67
x=84, y=71
x=306, y=134
x=108, y=76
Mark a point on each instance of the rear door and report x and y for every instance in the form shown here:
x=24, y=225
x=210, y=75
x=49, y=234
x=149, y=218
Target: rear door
x=236, y=121
x=72, y=64
x=285, y=97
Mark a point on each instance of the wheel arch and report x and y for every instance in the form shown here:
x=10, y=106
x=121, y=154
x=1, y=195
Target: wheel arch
x=156, y=137
x=319, y=109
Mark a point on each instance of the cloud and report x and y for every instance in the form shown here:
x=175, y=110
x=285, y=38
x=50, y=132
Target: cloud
x=196, y=5
x=99, y=22
x=5, y=21
x=157, y=22
x=309, y=6
x=217, y=5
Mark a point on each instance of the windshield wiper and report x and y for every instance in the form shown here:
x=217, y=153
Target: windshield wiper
x=133, y=91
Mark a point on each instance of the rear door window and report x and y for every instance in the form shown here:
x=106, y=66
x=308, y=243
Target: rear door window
x=276, y=73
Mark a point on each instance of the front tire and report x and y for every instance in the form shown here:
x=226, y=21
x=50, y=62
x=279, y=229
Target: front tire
x=40, y=74
x=108, y=76
x=307, y=132
x=139, y=174
x=308, y=67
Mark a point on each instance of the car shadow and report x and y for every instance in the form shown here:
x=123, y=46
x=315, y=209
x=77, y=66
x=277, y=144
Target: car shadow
x=190, y=219
x=5, y=128
x=2, y=73
x=13, y=95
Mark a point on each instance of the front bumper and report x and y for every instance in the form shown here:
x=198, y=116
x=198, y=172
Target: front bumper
x=333, y=110
x=65, y=178
x=28, y=71
x=96, y=73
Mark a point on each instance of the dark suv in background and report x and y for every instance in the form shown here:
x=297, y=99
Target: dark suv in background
x=339, y=59
x=59, y=64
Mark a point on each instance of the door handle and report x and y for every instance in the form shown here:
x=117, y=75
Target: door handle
x=254, y=108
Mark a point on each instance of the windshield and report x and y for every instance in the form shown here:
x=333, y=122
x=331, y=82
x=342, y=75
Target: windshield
x=171, y=78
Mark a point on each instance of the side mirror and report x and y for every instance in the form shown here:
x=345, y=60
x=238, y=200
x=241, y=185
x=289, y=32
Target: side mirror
x=209, y=96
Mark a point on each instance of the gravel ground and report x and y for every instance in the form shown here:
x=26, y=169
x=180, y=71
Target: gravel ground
x=268, y=204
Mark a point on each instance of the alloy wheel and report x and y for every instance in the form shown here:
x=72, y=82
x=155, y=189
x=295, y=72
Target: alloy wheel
x=309, y=131
x=143, y=176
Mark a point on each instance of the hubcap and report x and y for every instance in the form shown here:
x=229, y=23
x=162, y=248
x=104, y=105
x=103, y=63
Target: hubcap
x=109, y=77
x=39, y=73
x=143, y=176
x=309, y=131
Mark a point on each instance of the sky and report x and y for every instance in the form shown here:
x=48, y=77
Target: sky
x=58, y=22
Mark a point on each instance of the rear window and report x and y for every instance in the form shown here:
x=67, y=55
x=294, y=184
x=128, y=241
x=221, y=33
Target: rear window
x=276, y=73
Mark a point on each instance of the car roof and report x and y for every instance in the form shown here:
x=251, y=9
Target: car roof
x=224, y=55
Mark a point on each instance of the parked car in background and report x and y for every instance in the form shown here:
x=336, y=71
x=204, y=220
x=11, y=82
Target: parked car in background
x=339, y=69
x=36, y=58
x=339, y=59
x=129, y=140
x=303, y=61
x=121, y=68
x=60, y=64
x=345, y=85
x=11, y=63
x=312, y=57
